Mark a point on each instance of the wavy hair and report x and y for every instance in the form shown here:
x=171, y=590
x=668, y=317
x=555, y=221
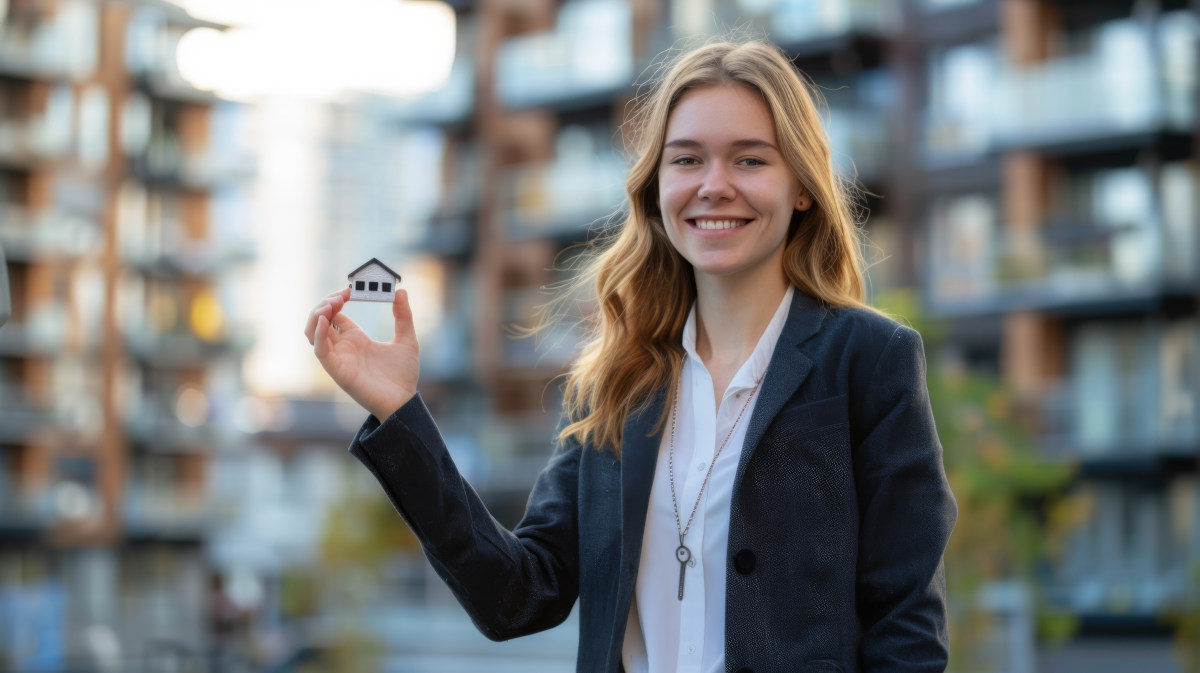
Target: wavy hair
x=645, y=289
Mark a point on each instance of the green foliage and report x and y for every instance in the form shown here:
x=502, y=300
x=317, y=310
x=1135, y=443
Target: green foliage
x=1012, y=502
x=360, y=536
x=1187, y=629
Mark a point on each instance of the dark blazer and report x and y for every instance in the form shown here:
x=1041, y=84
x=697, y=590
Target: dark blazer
x=840, y=514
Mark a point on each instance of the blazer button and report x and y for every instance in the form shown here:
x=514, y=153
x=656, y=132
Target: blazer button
x=744, y=562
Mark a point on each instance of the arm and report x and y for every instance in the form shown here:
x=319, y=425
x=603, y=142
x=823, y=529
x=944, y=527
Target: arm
x=511, y=583
x=907, y=512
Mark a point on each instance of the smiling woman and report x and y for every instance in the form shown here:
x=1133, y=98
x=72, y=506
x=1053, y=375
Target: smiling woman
x=319, y=50
x=747, y=476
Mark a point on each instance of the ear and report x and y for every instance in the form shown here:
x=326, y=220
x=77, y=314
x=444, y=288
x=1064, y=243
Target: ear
x=803, y=200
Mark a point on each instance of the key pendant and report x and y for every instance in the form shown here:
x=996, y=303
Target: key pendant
x=683, y=555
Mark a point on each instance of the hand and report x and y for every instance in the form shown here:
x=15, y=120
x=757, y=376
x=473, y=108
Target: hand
x=381, y=376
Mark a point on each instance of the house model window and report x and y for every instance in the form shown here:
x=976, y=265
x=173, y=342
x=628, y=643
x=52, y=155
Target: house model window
x=373, y=281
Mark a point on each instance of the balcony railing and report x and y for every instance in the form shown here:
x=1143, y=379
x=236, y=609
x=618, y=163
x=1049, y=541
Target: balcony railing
x=162, y=512
x=186, y=256
x=447, y=356
x=1131, y=556
x=152, y=425
x=1054, y=268
x=792, y=22
x=26, y=513
x=28, y=235
x=859, y=140
x=590, y=52
x=19, y=417
x=183, y=349
x=66, y=45
x=561, y=199
x=451, y=103
x=165, y=162
x=1125, y=89
x=43, y=332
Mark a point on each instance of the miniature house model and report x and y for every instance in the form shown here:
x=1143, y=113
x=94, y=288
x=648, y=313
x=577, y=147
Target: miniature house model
x=373, y=281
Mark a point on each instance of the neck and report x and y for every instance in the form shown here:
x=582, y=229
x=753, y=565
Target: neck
x=731, y=316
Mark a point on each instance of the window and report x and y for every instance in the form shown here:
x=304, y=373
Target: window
x=360, y=285
x=387, y=287
x=374, y=286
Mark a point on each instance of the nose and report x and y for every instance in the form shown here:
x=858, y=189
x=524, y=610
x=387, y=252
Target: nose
x=715, y=184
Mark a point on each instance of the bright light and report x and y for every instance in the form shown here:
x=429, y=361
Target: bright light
x=318, y=49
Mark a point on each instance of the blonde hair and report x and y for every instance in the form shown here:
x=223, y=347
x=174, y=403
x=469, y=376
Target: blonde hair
x=645, y=289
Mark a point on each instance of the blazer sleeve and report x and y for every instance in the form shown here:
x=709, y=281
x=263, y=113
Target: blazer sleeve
x=511, y=583
x=906, y=514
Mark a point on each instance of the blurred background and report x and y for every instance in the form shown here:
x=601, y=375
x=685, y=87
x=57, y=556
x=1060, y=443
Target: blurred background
x=181, y=183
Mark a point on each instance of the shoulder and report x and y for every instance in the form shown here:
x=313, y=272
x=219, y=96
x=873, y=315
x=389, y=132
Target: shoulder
x=864, y=331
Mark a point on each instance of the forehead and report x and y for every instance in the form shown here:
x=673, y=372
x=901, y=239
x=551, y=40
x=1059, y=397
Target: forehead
x=721, y=111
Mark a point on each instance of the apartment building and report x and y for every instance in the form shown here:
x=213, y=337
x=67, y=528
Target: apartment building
x=121, y=354
x=1030, y=168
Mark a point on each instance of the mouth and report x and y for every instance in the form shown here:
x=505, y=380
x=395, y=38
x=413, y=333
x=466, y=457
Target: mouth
x=712, y=224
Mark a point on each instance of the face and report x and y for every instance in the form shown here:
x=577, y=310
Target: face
x=725, y=192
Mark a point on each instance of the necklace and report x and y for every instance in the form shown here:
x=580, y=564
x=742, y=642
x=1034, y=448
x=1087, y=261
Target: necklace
x=682, y=553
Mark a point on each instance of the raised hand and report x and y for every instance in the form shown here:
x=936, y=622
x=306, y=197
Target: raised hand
x=381, y=376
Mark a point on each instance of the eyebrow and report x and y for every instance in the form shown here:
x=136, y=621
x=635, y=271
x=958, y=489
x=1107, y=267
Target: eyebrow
x=745, y=143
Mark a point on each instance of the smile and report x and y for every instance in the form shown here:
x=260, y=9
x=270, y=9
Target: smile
x=714, y=225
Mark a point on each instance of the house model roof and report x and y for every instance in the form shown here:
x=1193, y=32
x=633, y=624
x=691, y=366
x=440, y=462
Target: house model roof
x=377, y=262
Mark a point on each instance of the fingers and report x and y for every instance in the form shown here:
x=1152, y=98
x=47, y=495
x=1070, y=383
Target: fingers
x=402, y=312
x=342, y=323
x=328, y=307
x=321, y=342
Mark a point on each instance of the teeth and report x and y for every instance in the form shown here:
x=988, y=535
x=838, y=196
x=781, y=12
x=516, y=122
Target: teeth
x=712, y=225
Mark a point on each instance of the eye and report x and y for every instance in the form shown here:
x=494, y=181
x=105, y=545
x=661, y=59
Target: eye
x=751, y=161
x=684, y=161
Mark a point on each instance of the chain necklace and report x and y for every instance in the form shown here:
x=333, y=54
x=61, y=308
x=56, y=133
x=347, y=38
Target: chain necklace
x=682, y=553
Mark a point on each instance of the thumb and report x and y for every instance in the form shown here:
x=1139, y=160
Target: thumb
x=402, y=312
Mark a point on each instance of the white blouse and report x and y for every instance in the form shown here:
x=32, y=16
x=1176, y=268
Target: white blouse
x=664, y=633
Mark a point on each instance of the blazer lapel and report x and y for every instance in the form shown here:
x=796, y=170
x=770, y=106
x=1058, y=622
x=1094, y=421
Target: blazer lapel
x=639, y=456
x=788, y=368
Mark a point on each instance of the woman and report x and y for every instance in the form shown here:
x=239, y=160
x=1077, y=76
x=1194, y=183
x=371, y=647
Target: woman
x=747, y=477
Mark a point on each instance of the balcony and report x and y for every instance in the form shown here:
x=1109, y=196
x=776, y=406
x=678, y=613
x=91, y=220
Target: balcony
x=803, y=26
x=24, y=515
x=64, y=47
x=858, y=138
x=162, y=514
x=586, y=60
x=152, y=425
x=20, y=419
x=186, y=257
x=448, y=356
x=165, y=164
x=1130, y=406
x=183, y=350
x=151, y=44
x=958, y=21
x=1065, y=267
x=1131, y=557
x=41, y=334
x=29, y=142
x=1127, y=93
x=26, y=235
x=451, y=104
x=562, y=198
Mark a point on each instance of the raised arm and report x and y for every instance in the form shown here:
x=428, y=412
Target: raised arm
x=510, y=582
